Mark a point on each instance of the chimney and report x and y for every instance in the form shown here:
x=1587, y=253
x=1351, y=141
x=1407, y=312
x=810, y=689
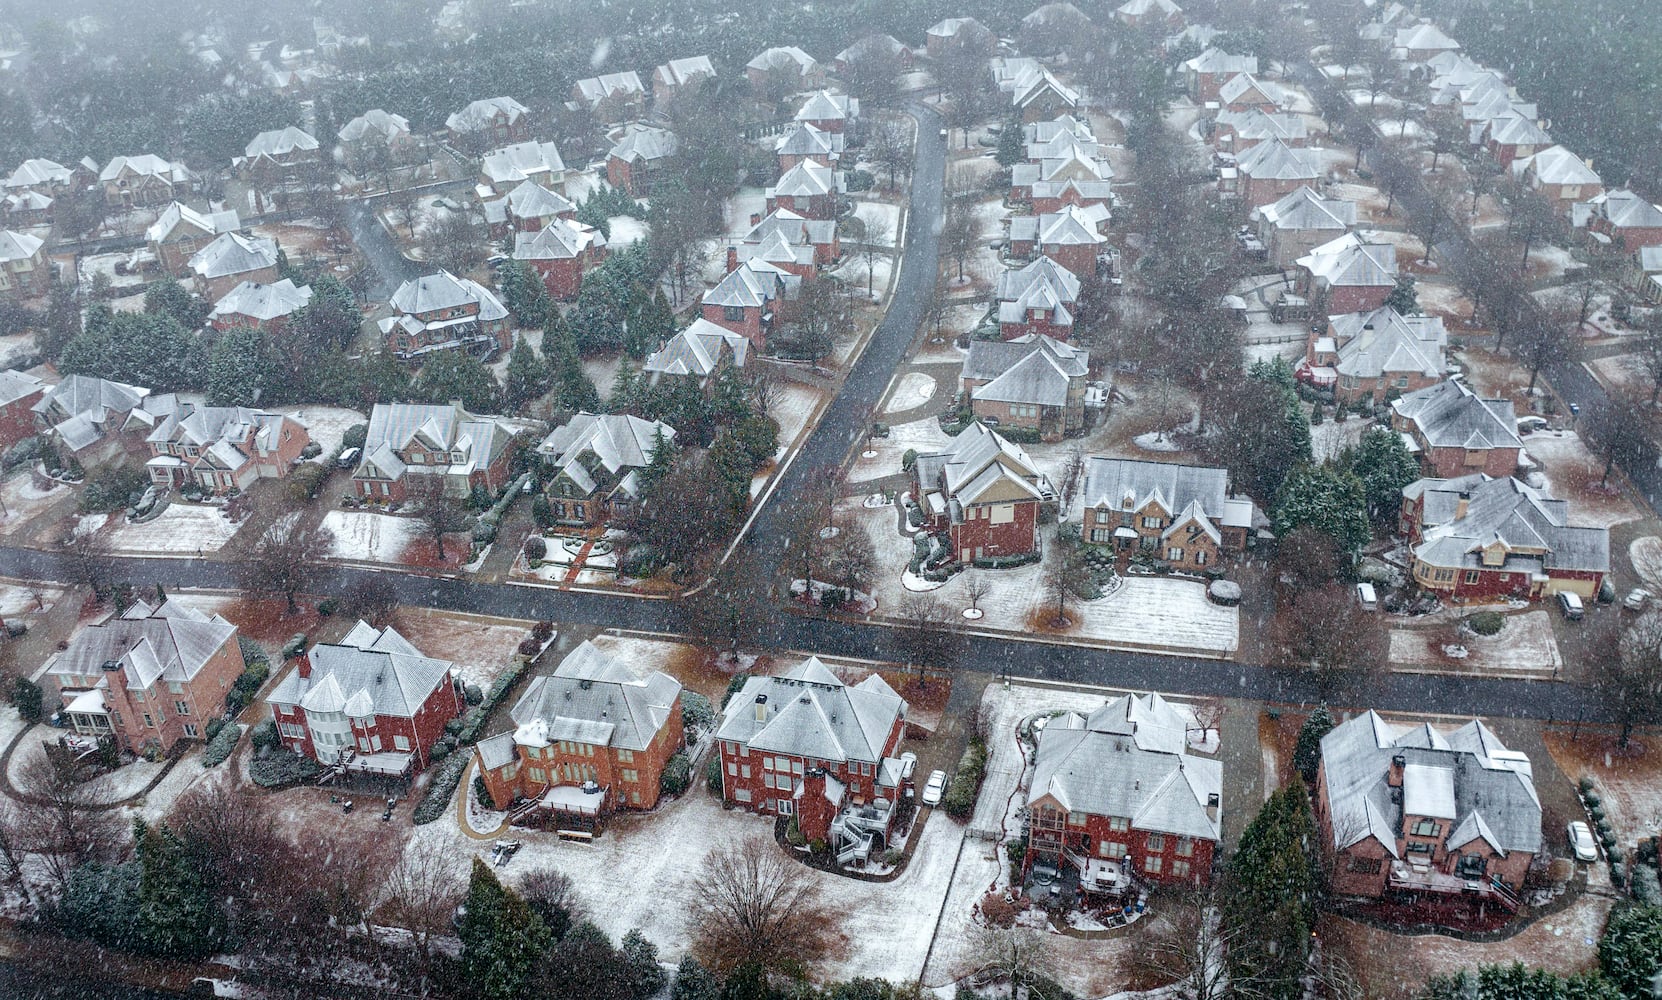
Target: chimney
x=755, y=218
x=1212, y=806
x=732, y=259
x=1398, y=762
x=1462, y=505
x=303, y=663
x=117, y=679
x=761, y=708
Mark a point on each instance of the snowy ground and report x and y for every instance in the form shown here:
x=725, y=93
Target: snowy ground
x=603, y=371
x=361, y=536
x=1573, y=473
x=1552, y=262
x=1330, y=438
x=481, y=647
x=793, y=406
x=1440, y=299
x=882, y=214
x=181, y=528
x=111, y=786
x=861, y=274
x=1525, y=646
x=912, y=390
x=885, y=453
x=326, y=425
x=17, y=600
x=741, y=206
x=1629, y=783
x=23, y=500
x=992, y=217
x=626, y=230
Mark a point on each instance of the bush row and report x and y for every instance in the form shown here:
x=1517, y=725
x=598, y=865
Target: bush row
x=445, y=776
x=959, y=801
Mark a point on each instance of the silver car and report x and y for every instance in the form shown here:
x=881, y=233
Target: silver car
x=1581, y=842
x=933, y=790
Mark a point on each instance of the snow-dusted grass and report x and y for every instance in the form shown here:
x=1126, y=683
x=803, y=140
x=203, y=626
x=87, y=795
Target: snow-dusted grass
x=913, y=389
x=1629, y=784
x=884, y=216
x=17, y=600
x=581, y=184
x=861, y=274
x=923, y=435
x=1524, y=645
x=24, y=499
x=480, y=647
x=1330, y=438
x=361, y=536
x=1440, y=299
x=793, y=407
x=181, y=528
x=741, y=206
x=1573, y=473
x=326, y=425
x=992, y=218
x=626, y=231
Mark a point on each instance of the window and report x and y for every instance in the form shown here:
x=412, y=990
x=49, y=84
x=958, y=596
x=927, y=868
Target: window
x=1119, y=824
x=1151, y=522
x=733, y=769
x=626, y=756
x=1100, y=534
x=1112, y=849
x=401, y=743
x=1472, y=576
x=635, y=798
x=767, y=779
x=741, y=795
x=290, y=730
x=175, y=687
x=1076, y=819
x=147, y=721
x=375, y=744
x=733, y=314
x=1200, y=557
x=1156, y=842
x=1402, y=381
x=786, y=807
x=744, y=771
x=1153, y=864
x=1363, y=866
x=1185, y=847
x=190, y=730
x=181, y=708
x=1004, y=513
x=1180, y=869
x=744, y=749
x=1425, y=828
x=1416, y=848
x=631, y=775
x=785, y=783
x=1174, y=555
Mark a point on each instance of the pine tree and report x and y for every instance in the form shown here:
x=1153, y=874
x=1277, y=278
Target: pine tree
x=1327, y=499
x=625, y=394
x=456, y=375
x=1010, y=150
x=1270, y=896
x=694, y=982
x=1403, y=298
x=1308, y=754
x=173, y=299
x=598, y=318
x=238, y=368
x=643, y=976
x=525, y=295
x=659, y=463
x=1630, y=953
x=526, y=377
x=1384, y=465
x=573, y=389
x=177, y=918
x=651, y=322
x=502, y=940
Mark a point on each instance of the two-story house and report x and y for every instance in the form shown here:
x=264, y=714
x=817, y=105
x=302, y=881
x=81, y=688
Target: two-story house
x=747, y=298
x=1301, y=221
x=280, y=156
x=1245, y=92
x=1269, y=171
x=1182, y=514
x=1628, y=220
x=375, y=134
x=700, y=351
x=872, y=48
x=1455, y=433
x=130, y=181
x=1032, y=91
x=679, y=76
x=528, y=208
x=150, y=677
x=1423, y=41
x=801, y=141
x=19, y=392
x=1117, y=796
x=561, y=254
x=1074, y=237
x=808, y=189
x=492, y=122
x=1206, y=73
x=87, y=417
x=1235, y=132
x=1418, y=815
x=593, y=463
x=637, y=156
x=982, y=494
x=1150, y=14
x=785, y=62
x=180, y=231
x=1559, y=176
x=1053, y=182
x=404, y=439
x=1482, y=538
x=829, y=112
x=818, y=237
x=590, y=738
x=504, y=169
x=223, y=448
x=442, y=312
x=1353, y=273
x=371, y=704
x=946, y=37
x=1031, y=382
x=263, y=307
x=1512, y=136
x=1375, y=355
x=230, y=260
x=610, y=97
x=1037, y=298
x=24, y=272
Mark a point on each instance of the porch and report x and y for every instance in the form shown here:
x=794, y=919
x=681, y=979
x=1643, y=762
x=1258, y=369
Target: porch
x=569, y=809
x=1422, y=882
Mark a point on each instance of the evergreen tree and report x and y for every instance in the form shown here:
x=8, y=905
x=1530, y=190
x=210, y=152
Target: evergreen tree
x=1383, y=464
x=502, y=940
x=239, y=370
x=360, y=383
x=642, y=974
x=731, y=465
x=63, y=321
x=758, y=434
x=598, y=318
x=1630, y=952
x=573, y=390
x=694, y=982
x=524, y=294
x=177, y=916
x=659, y=462
x=1010, y=148
x=1403, y=298
x=1329, y=500
x=626, y=391
x=1308, y=754
x=651, y=323
x=173, y=299
x=1270, y=896
x=1518, y=982
x=457, y=375
x=329, y=321
x=147, y=349
x=526, y=376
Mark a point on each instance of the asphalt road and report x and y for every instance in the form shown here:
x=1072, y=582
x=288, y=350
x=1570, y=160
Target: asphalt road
x=387, y=266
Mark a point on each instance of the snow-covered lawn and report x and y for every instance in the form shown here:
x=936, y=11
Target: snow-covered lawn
x=992, y=217
x=884, y=216
x=1330, y=438
x=326, y=425
x=17, y=600
x=741, y=206
x=1646, y=556
x=912, y=390
x=1629, y=782
x=24, y=499
x=111, y=786
x=361, y=536
x=861, y=274
x=1525, y=645
x=582, y=184
x=1441, y=299
x=793, y=407
x=181, y=528
x=626, y=231
x=1382, y=100
x=480, y=647
x=923, y=435
x=1572, y=473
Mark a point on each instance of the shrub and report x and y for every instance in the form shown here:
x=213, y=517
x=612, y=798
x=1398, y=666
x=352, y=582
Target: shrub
x=959, y=800
x=482, y=793
x=543, y=630
x=112, y=488
x=354, y=436
x=1592, y=799
x=1596, y=812
x=472, y=694
x=529, y=646
x=793, y=834
x=264, y=736
x=213, y=728
x=445, y=777
x=893, y=856
x=908, y=459
x=1005, y=562
x=328, y=606
x=697, y=714
x=1016, y=850
x=859, y=180
x=1486, y=622
x=484, y=531
x=535, y=547
x=1616, y=855
x=454, y=726
x=677, y=776
x=712, y=774
x=220, y=747
x=26, y=695
x=305, y=482
x=542, y=511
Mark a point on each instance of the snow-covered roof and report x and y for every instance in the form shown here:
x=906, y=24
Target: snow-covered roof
x=1274, y=160
x=887, y=45
x=1556, y=165
x=233, y=253
x=280, y=142
x=39, y=173
x=826, y=106
x=18, y=246
x=1450, y=415
x=1505, y=526
x=1128, y=484
x=783, y=57
x=1302, y=209
x=596, y=89
x=1625, y=210
x=1386, y=343
x=178, y=213
x=619, y=443
x=1352, y=260
x=144, y=165
x=979, y=462
x=522, y=161
x=594, y=698
x=366, y=674
x=432, y=293
x=395, y=427
x=169, y=643
x=1033, y=369
x=698, y=350
x=479, y=115
x=679, y=72
x=374, y=122
x=262, y=302
x=16, y=385
x=1215, y=61
x=810, y=713
x=644, y=143
x=803, y=139
x=561, y=239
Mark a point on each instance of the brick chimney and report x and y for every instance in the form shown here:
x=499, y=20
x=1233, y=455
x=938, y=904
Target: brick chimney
x=755, y=218
x=1394, y=777
x=732, y=259
x=1462, y=505
x=303, y=663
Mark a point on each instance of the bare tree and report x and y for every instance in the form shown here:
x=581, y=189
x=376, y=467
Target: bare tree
x=89, y=561
x=284, y=559
x=405, y=202
x=928, y=636
x=1543, y=340
x=439, y=512
x=423, y=887
x=1019, y=956
x=1534, y=219
x=65, y=825
x=244, y=855
x=960, y=231
x=852, y=559
x=372, y=598
x=753, y=906
x=1632, y=680
x=890, y=148
x=1069, y=482
x=1649, y=352
x=1189, y=946
x=976, y=586
x=763, y=382
x=1618, y=433
x=875, y=244
x=551, y=896
x=1209, y=716
x=13, y=848
x=1326, y=634
x=1065, y=578
x=453, y=241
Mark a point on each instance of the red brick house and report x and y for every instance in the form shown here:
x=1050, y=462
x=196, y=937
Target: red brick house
x=612, y=97
x=150, y=677
x=1117, y=796
x=801, y=141
x=507, y=168
x=1300, y=222
x=1206, y=73
x=180, y=231
x=19, y=392
x=24, y=272
x=673, y=78
x=371, y=704
x=1484, y=539
x=807, y=744
x=561, y=254
x=748, y=297
x=442, y=312
x=982, y=495
x=1150, y=14
x=406, y=439
x=230, y=260
x=788, y=62
x=808, y=189
x=1074, y=237
x=1032, y=90
x=873, y=47
x=1271, y=170
x=1514, y=136
x=637, y=157
x=263, y=307
x=495, y=121
x=1348, y=275
x=279, y=156
x=1423, y=41
x=88, y=418
x=1628, y=220
x=589, y=739
x=1031, y=382
x=1375, y=354
x=829, y=112
x=1455, y=433
x=1053, y=183
x=528, y=208
x=1238, y=131
x=1245, y=92
x=223, y=448
x=700, y=351
x=147, y=179
x=1182, y=515
x=944, y=38
x=818, y=236
x=1036, y=299
x=1446, y=822
x=593, y=462
x=1559, y=176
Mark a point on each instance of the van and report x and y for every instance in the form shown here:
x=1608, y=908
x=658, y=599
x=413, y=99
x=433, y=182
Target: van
x=1570, y=604
x=1366, y=597
x=348, y=458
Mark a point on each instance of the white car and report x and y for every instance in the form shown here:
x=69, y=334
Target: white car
x=908, y=764
x=1581, y=842
x=933, y=790
x=1636, y=599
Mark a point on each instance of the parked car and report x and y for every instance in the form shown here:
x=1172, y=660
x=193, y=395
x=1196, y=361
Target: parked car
x=1636, y=599
x=908, y=764
x=1366, y=597
x=349, y=458
x=1571, y=605
x=933, y=790
x=1581, y=842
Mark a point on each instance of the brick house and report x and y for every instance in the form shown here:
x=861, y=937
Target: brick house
x=747, y=298
x=1245, y=92
x=130, y=181
x=700, y=351
x=506, y=168
x=221, y=448
x=180, y=231
x=441, y=312
x=1150, y=14
x=1375, y=354
x=26, y=208
x=808, y=189
x=87, y=418
x=1053, y=183
x=1423, y=41
x=1180, y=514
x=1513, y=136
x=47, y=177
x=492, y=122
x=150, y=677
x=1482, y=538
x=592, y=464
x=1238, y=131
x=788, y=61
x=1032, y=90
x=263, y=307
x=982, y=495
x=230, y=260
x=590, y=738
x=1037, y=298
x=1454, y=433
x=24, y=271
x=1644, y=273
x=944, y=38
x=279, y=156
x=19, y=392
x=1269, y=171
x=1559, y=176
x=611, y=97
x=818, y=236
x=528, y=208
x=1426, y=817
x=828, y=112
x=1031, y=382
x=371, y=704
x=405, y=439
x=1206, y=73
x=873, y=47
x=561, y=254
x=363, y=137
x=1628, y=220
x=805, y=743
x=676, y=77
x=638, y=156
x=1349, y=274
x=801, y=141
x=1301, y=221
x=1073, y=237
x=1117, y=796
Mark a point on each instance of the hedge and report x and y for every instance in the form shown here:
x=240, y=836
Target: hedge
x=959, y=801
x=220, y=747
x=1486, y=622
x=447, y=773
x=446, y=776
x=282, y=769
x=1006, y=562
x=677, y=775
